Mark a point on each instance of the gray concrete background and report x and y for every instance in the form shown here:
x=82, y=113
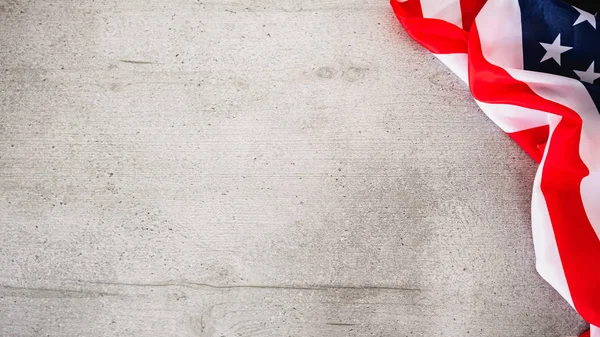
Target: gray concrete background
x=253, y=168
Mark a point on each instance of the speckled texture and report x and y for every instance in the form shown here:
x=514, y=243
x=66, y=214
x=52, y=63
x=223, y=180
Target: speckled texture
x=253, y=168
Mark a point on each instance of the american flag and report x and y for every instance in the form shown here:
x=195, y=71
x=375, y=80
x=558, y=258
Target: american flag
x=533, y=66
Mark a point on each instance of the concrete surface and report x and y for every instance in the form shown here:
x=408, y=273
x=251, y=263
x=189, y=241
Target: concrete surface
x=253, y=168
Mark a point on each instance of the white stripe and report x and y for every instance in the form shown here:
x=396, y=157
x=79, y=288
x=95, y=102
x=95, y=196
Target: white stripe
x=512, y=118
x=458, y=63
x=590, y=186
x=595, y=331
x=499, y=25
x=447, y=10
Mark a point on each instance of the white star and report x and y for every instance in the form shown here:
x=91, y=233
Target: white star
x=554, y=50
x=585, y=16
x=589, y=75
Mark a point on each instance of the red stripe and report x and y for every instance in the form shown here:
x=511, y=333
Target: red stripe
x=533, y=140
x=585, y=334
x=469, y=10
x=438, y=36
x=410, y=8
x=578, y=245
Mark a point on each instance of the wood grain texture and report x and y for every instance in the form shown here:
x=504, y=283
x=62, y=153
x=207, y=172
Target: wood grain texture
x=253, y=168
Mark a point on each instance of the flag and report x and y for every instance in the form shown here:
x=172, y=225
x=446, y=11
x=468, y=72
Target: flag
x=533, y=67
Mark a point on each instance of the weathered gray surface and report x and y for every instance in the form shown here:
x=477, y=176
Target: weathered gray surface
x=253, y=168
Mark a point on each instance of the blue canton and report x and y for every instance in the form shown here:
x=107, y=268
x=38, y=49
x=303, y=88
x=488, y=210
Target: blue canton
x=562, y=40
